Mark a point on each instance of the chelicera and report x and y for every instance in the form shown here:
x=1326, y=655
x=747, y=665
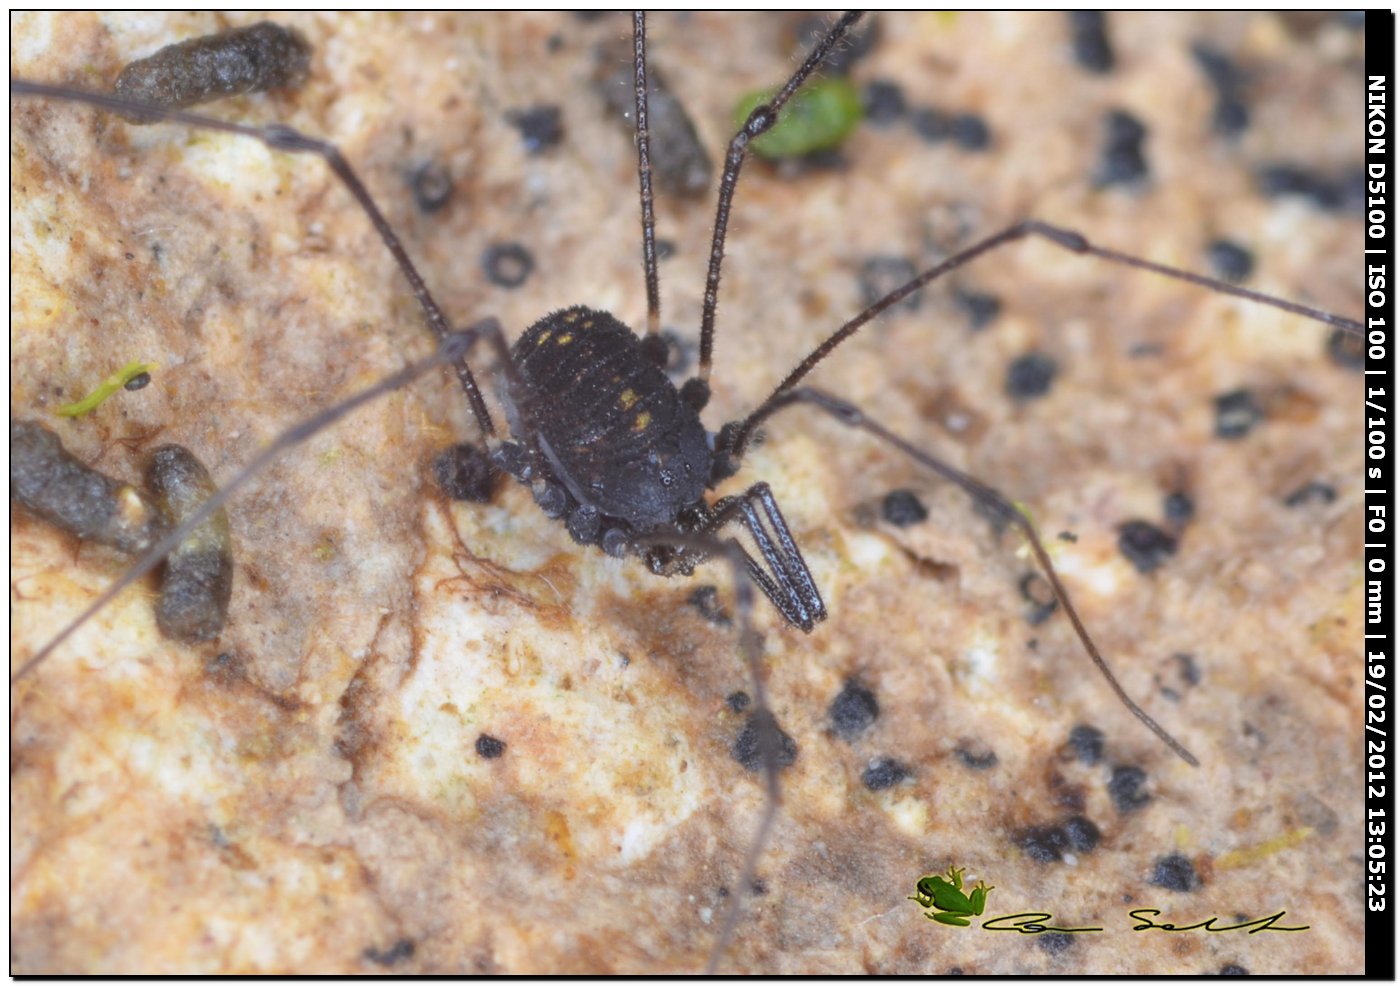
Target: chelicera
x=632, y=473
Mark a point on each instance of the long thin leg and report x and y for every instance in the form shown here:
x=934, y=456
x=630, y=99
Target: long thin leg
x=760, y=121
x=788, y=584
x=765, y=724
x=1002, y=508
x=639, y=67
x=1066, y=239
x=454, y=347
x=281, y=138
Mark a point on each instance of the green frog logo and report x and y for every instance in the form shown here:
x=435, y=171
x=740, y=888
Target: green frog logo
x=945, y=901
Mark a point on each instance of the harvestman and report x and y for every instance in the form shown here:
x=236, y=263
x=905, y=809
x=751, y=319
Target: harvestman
x=624, y=462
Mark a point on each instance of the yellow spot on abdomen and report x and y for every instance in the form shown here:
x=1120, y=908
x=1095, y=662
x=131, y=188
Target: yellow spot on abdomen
x=643, y=420
x=565, y=339
x=627, y=399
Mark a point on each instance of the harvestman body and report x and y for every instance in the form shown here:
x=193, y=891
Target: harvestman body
x=610, y=447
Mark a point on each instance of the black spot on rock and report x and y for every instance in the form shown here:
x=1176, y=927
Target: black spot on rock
x=1230, y=261
x=1147, y=546
x=400, y=951
x=884, y=102
x=1043, y=843
x=1178, y=508
x=1083, y=834
x=854, y=710
x=1030, y=376
x=903, y=509
x=1236, y=414
x=747, y=752
x=883, y=773
x=489, y=747
x=507, y=265
x=465, y=472
x=1087, y=743
x=1122, y=161
x=541, y=127
x=975, y=754
x=432, y=187
x=1089, y=31
x=1175, y=872
x=1125, y=788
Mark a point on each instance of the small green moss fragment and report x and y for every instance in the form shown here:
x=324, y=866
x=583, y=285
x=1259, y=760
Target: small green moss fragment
x=106, y=389
x=818, y=118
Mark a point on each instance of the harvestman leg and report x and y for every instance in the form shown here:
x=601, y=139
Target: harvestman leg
x=452, y=348
x=765, y=725
x=639, y=79
x=1002, y=508
x=284, y=138
x=760, y=121
x=787, y=583
x=736, y=437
